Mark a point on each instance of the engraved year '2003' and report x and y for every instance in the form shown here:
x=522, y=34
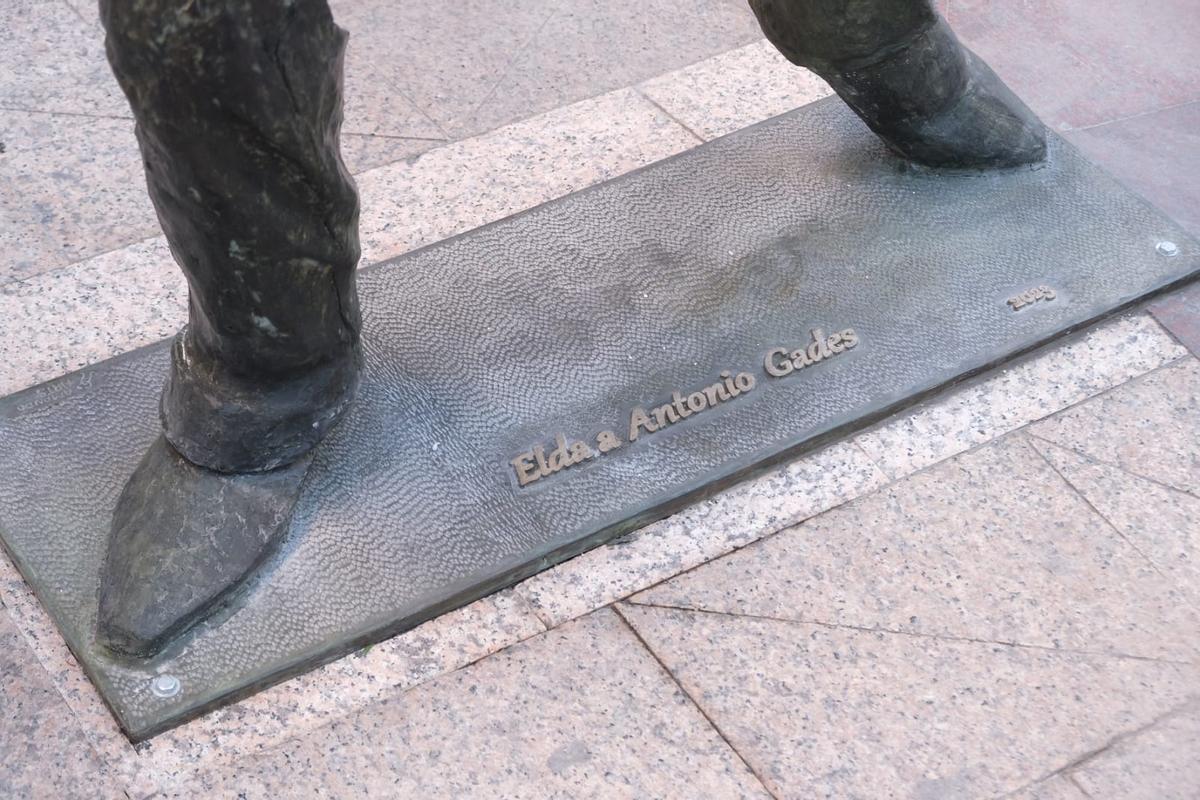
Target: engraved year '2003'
x=1031, y=296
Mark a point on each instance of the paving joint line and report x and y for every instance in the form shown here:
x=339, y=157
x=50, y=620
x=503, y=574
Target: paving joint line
x=1070, y=778
x=983, y=377
x=1104, y=517
x=914, y=634
x=1123, y=470
x=1138, y=115
x=398, y=137
x=795, y=525
x=695, y=704
x=978, y=380
x=1067, y=770
x=642, y=94
x=388, y=691
x=84, y=114
x=89, y=23
x=508, y=67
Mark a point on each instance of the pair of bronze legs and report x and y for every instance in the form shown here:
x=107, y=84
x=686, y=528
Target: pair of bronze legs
x=238, y=109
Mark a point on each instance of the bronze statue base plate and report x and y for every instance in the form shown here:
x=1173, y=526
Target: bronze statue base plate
x=545, y=383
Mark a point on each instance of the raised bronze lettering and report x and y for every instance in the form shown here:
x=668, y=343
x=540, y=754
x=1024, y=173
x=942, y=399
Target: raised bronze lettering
x=727, y=377
x=680, y=405
x=580, y=452
x=525, y=468
x=534, y=464
x=539, y=456
x=779, y=362
x=777, y=369
x=560, y=456
x=1031, y=296
x=665, y=415
x=639, y=420
x=607, y=440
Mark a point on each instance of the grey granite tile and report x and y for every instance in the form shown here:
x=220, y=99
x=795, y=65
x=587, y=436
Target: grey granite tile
x=1161, y=522
x=728, y=92
x=443, y=64
x=702, y=532
x=363, y=152
x=991, y=545
x=833, y=712
x=77, y=189
x=45, y=754
x=491, y=62
x=581, y=711
x=52, y=60
x=1053, y=788
x=1149, y=427
x=94, y=721
x=1159, y=763
x=333, y=692
x=1016, y=394
x=88, y=11
x=586, y=47
x=264, y=720
x=375, y=102
x=73, y=188
x=57, y=322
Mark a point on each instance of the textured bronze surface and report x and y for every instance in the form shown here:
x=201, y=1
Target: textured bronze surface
x=564, y=320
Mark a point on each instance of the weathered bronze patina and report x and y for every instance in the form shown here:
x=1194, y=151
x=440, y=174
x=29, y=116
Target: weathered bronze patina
x=904, y=72
x=238, y=106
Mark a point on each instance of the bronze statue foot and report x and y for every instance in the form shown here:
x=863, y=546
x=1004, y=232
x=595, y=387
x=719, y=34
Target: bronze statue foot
x=903, y=71
x=183, y=540
x=980, y=124
x=238, y=106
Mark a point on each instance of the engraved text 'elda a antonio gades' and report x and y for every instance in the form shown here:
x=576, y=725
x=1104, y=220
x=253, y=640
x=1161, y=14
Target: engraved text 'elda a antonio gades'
x=543, y=460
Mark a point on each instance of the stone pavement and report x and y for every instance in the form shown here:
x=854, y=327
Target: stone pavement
x=994, y=594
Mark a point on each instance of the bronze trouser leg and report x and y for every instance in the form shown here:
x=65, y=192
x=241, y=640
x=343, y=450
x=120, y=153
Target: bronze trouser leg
x=238, y=108
x=902, y=70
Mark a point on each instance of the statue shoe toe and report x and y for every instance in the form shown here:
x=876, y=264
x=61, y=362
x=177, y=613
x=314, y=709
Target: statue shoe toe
x=183, y=540
x=987, y=127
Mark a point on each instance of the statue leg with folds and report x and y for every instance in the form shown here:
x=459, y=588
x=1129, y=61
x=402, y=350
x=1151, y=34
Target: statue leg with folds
x=238, y=109
x=238, y=105
x=903, y=71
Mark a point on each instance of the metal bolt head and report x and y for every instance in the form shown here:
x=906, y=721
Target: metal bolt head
x=1167, y=248
x=165, y=686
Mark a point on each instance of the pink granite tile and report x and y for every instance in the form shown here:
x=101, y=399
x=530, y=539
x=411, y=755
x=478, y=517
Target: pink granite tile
x=1079, y=62
x=1156, y=155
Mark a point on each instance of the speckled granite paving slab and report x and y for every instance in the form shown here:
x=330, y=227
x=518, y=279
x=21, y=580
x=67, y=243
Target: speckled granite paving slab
x=510, y=368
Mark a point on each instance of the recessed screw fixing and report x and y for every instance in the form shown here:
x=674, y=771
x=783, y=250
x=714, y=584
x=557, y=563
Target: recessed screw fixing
x=165, y=686
x=1167, y=248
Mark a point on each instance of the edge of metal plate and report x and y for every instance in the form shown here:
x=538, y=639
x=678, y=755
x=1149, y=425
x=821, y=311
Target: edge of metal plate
x=485, y=345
